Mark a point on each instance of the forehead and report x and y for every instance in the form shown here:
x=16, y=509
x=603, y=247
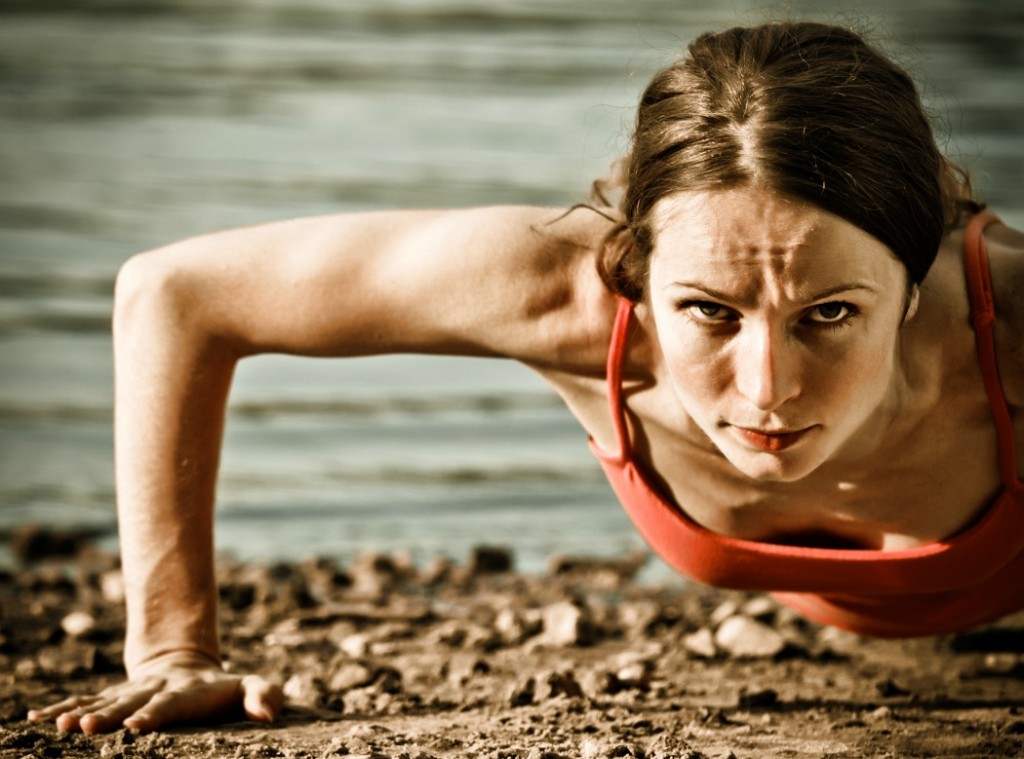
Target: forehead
x=745, y=236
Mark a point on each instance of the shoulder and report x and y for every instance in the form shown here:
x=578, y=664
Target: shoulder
x=554, y=311
x=1005, y=247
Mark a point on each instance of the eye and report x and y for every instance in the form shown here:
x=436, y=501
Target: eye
x=831, y=313
x=705, y=311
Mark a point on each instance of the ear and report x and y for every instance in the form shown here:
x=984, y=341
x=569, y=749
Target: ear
x=912, y=302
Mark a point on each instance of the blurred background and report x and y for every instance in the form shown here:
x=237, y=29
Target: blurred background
x=125, y=125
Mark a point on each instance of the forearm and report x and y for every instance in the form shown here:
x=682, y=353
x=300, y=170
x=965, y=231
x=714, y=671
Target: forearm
x=172, y=380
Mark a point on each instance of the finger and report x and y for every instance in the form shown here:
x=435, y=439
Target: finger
x=261, y=700
x=110, y=716
x=157, y=711
x=61, y=707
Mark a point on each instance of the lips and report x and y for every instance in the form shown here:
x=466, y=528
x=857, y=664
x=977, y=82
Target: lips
x=770, y=441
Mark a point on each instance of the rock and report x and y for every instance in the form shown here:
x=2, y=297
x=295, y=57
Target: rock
x=758, y=699
x=32, y=542
x=522, y=693
x=881, y=713
x=554, y=684
x=304, y=689
x=512, y=627
x=356, y=645
x=489, y=560
x=640, y=617
x=701, y=644
x=635, y=676
x=462, y=668
x=742, y=637
x=373, y=574
x=761, y=608
x=78, y=623
x=350, y=675
x=601, y=682
x=888, y=688
x=722, y=612
x=437, y=571
x=112, y=586
x=565, y=624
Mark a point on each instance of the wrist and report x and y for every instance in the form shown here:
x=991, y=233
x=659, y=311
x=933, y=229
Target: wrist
x=178, y=658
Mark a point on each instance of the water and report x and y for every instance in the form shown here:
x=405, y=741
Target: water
x=127, y=125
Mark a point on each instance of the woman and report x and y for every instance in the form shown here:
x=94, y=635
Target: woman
x=770, y=338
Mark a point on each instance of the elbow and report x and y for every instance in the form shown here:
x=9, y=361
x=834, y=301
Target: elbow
x=144, y=290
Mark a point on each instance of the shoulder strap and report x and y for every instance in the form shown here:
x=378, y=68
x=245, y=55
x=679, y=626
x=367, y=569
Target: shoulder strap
x=983, y=317
x=616, y=358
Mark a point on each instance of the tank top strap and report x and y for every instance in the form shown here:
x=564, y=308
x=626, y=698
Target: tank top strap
x=616, y=358
x=983, y=317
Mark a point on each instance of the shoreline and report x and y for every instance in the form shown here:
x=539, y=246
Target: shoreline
x=385, y=659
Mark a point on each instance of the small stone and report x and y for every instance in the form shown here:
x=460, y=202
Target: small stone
x=743, y=637
x=701, y=644
x=554, y=684
x=758, y=699
x=373, y=574
x=304, y=689
x=881, y=713
x=513, y=627
x=464, y=667
x=636, y=676
x=888, y=688
x=78, y=623
x=112, y=586
x=601, y=682
x=522, y=693
x=640, y=617
x=565, y=624
x=489, y=560
x=722, y=612
x=356, y=645
x=350, y=675
x=761, y=608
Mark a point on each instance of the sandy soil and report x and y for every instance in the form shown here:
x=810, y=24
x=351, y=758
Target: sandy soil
x=383, y=659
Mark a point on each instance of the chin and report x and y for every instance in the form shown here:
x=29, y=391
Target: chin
x=785, y=466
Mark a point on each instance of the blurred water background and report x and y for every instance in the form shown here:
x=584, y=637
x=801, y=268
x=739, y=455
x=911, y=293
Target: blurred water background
x=125, y=125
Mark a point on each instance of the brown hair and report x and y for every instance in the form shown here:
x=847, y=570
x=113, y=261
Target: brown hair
x=803, y=109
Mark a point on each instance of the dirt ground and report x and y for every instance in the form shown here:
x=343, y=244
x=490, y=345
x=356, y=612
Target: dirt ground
x=385, y=659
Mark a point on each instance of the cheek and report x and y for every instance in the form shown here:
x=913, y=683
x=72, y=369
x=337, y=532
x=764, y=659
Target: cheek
x=698, y=371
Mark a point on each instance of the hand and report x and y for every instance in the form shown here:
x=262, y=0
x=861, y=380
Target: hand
x=175, y=688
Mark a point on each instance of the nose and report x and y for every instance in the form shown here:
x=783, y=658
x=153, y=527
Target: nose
x=767, y=366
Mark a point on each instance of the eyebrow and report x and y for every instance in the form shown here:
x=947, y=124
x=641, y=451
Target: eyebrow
x=726, y=297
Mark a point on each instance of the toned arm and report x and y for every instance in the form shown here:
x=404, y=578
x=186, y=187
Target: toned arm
x=489, y=282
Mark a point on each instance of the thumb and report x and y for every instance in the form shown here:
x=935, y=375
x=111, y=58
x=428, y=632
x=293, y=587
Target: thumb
x=262, y=700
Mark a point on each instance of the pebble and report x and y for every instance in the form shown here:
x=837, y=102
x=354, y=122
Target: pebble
x=112, y=586
x=512, y=627
x=565, y=624
x=701, y=644
x=78, y=623
x=882, y=712
x=550, y=685
x=743, y=638
x=304, y=689
x=761, y=608
x=350, y=675
x=522, y=692
x=462, y=668
x=722, y=612
x=489, y=560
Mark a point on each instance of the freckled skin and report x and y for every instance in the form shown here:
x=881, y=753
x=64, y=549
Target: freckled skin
x=776, y=316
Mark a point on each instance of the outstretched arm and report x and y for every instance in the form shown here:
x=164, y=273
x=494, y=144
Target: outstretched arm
x=484, y=282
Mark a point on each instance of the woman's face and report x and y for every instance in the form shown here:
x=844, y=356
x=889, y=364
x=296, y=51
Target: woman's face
x=778, y=322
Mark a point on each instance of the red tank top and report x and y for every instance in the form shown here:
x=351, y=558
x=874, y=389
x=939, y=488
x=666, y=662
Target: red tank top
x=973, y=577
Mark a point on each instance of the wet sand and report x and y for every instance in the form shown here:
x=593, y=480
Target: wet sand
x=385, y=659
